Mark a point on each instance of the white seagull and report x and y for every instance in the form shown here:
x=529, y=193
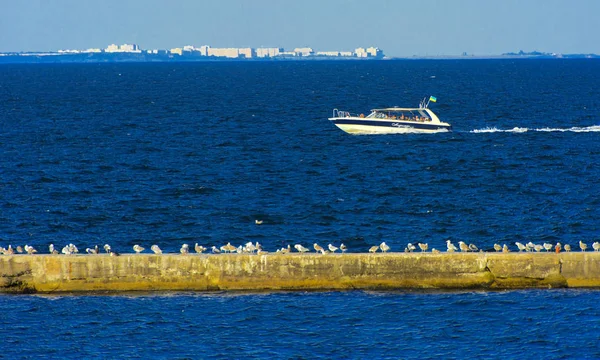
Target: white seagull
x=423, y=247
x=343, y=248
x=374, y=249
x=199, y=248
x=300, y=248
x=185, y=249
x=450, y=246
x=497, y=247
x=384, y=247
x=332, y=248
x=138, y=249
x=463, y=247
x=156, y=249
x=596, y=246
x=29, y=249
x=582, y=245
x=318, y=248
x=107, y=248
x=520, y=246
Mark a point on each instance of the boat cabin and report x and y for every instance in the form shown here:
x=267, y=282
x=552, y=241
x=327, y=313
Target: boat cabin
x=402, y=114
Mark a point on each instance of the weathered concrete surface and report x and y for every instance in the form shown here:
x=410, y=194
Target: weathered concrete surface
x=131, y=272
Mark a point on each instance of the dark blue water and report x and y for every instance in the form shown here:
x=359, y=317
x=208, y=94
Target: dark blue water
x=182, y=153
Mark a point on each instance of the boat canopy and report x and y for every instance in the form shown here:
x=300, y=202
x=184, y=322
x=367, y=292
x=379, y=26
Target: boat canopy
x=398, y=109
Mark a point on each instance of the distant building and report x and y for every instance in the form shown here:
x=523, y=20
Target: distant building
x=132, y=48
x=369, y=52
x=176, y=51
x=328, y=53
x=268, y=52
x=224, y=52
x=304, y=51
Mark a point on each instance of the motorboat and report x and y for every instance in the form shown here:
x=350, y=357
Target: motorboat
x=393, y=120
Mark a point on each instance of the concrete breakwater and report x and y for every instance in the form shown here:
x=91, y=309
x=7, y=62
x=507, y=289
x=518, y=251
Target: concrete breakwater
x=174, y=272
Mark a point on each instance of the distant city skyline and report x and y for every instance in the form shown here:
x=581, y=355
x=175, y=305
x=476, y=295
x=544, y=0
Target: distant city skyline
x=399, y=27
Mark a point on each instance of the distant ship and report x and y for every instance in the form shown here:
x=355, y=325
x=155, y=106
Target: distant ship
x=392, y=120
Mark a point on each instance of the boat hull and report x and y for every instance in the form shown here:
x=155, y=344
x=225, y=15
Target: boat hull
x=366, y=126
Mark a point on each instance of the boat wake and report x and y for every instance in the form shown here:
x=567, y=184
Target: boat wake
x=595, y=128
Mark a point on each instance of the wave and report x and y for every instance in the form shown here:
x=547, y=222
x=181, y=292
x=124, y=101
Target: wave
x=594, y=128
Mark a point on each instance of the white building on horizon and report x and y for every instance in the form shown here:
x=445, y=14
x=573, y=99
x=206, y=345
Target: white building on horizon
x=130, y=48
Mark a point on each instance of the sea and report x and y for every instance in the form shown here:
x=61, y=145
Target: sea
x=174, y=153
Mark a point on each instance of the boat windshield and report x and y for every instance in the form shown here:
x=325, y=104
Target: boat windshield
x=404, y=115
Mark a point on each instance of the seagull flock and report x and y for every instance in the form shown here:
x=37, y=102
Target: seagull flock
x=256, y=248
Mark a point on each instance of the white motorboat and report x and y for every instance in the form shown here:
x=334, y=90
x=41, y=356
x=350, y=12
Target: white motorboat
x=392, y=120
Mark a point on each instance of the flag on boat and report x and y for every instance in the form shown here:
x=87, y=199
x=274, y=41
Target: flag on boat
x=432, y=98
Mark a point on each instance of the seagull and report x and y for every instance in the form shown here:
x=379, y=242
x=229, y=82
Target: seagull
x=547, y=247
x=199, y=248
x=73, y=249
x=114, y=253
x=318, y=248
x=450, y=246
x=156, y=249
x=423, y=247
x=435, y=251
x=65, y=250
x=505, y=248
x=258, y=222
x=287, y=250
x=185, y=249
x=30, y=250
x=249, y=247
x=567, y=248
x=138, y=249
x=582, y=245
x=463, y=247
x=497, y=247
x=230, y=248
x=51, y=248
x=521, y=246
x=596, y=246
x=214, y=250
x=538, y=248
x=529, y=246
x=384, y=247
x=107, y=248
x=90, y=251
x=19, y=249
x=331, y=248
x=343, y=248
x=472, y=247
x=300, y=248
x=374, y=249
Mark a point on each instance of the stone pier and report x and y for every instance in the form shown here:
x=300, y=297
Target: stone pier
x=244, y=272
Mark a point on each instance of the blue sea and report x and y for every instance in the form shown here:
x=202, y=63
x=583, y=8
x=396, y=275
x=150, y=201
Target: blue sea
x=173, y=153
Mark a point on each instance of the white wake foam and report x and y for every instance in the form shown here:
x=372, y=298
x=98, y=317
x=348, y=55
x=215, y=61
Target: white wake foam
x=595, y=128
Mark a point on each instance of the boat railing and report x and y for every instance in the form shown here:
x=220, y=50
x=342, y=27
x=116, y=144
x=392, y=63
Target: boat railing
x=341, y=113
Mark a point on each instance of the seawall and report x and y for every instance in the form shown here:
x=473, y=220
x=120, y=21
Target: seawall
x=174, y=272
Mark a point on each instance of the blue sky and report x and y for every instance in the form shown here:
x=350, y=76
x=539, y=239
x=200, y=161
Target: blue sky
x=399, y=27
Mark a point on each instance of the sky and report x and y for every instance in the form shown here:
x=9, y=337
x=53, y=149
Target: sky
x=398, y=27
